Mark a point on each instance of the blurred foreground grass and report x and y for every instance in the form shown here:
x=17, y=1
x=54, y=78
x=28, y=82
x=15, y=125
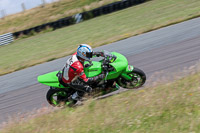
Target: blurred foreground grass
x=101, y=30
x=173, y=107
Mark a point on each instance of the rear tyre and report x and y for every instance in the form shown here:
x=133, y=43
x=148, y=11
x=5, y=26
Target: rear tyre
x=138, y=78
x=59, y=97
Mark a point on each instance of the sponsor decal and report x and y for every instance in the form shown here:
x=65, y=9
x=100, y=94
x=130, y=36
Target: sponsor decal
x=92, y=70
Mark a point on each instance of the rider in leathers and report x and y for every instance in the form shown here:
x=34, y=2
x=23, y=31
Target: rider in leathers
x=73, y=72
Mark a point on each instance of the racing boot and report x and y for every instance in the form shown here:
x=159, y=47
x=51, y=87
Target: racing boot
x=73, y=99
x=112, y=88
x=115, y=87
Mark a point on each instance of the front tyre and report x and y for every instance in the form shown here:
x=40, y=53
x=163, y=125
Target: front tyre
x=58, y=97
x=138, y=78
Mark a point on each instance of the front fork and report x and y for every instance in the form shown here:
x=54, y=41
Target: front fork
x=125, y=75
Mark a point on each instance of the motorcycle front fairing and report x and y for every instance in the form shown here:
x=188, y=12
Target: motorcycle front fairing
x=119, y=66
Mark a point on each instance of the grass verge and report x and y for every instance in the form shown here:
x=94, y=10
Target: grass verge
x=102, y=30
x=173, y=107
x=48, y=13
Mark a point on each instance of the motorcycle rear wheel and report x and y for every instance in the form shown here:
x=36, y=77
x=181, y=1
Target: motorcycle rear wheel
x=58, y=97
x=138, y=78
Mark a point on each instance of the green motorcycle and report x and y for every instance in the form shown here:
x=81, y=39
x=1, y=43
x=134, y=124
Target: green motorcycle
x=117, y=70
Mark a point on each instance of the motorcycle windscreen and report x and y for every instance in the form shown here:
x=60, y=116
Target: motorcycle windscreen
x=93, y=70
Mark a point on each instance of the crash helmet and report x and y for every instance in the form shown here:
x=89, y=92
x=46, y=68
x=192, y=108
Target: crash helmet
x=84, y=51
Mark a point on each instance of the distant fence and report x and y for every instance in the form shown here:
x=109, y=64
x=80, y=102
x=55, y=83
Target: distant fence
x=6, y=38
x=119, y=5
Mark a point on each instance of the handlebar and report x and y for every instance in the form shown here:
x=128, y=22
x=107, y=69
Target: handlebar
x=108, y=57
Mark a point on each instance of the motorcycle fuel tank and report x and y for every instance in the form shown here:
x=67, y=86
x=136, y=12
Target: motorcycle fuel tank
x=93, y=70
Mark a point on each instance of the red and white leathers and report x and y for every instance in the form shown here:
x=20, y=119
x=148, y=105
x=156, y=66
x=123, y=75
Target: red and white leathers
x=73, y=69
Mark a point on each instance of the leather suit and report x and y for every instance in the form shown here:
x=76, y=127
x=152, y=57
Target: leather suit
x=73, y=73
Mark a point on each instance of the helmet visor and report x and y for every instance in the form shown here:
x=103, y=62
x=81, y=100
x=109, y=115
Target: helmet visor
x=89, y=54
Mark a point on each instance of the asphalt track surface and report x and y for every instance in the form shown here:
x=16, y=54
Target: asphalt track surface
x=169, y=49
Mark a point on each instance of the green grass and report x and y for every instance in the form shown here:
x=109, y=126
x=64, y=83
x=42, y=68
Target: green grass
x=101, y=30
x=51, y=12
x=173, y=107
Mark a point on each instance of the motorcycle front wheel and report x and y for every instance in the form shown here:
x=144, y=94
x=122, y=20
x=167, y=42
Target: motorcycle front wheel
x=58, y=97
x=138, y=78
